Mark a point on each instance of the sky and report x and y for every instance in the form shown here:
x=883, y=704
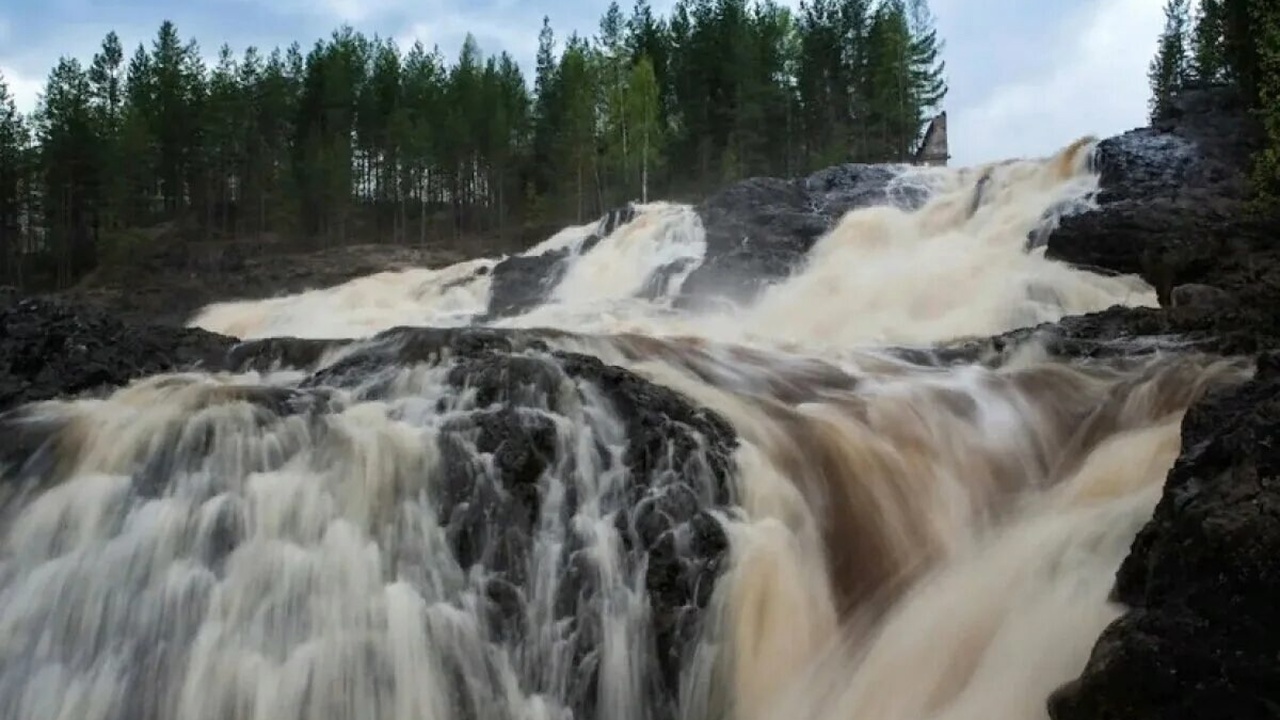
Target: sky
x=1026, y=77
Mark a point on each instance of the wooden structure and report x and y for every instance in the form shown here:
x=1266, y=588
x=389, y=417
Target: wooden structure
x=933, y=148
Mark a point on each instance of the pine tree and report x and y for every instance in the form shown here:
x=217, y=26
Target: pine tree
x=1168, y=71
x=13, y=175
x=613, y=65
x=577, y=138
x=1207, y=61
x=893, y=116
x=546, y=116
x=1267, y=29
x=69, y=143
x=353, y=139
x=927, y=69
x=644, y=112
x=1242, y=43
x=1235, y=42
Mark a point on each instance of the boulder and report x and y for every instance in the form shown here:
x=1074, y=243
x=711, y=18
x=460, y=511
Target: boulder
x=522, y=282
x=761, y=229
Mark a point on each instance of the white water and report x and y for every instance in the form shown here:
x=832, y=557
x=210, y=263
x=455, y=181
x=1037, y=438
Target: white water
x=883, y=275
x=912, y=542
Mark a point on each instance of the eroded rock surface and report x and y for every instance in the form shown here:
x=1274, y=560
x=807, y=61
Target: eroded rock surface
x=759, y=230
x=1202, y=584
x=1200, y=637
x=522, y=282
x=51, y=349
x=514, y=417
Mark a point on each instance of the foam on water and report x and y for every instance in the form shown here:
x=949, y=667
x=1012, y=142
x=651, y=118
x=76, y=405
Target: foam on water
x=905, y=542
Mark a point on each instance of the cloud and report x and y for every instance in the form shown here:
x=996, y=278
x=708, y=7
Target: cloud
x=24, y=88
x=1095, y=83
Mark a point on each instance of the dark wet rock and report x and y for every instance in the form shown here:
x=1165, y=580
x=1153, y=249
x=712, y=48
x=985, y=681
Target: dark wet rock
x=1201, y=634
x=1207, y=240
x=51, y=349
x=1173, y=209
x=500, y=443
x=1199, y=147
x=275, y=353
x=760, y=230
x=614, y=219
x=1241, y=324
x=490, y=508
x=172, y=276
x=513, y=421
x=1193, y=294
x=1173, y=199
x=522, y=282
x=660, y=283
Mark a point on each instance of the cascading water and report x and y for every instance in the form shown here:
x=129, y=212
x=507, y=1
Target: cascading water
x=602, y=505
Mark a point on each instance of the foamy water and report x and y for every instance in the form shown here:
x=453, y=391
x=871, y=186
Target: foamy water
x=905, y=542
x=883, y=275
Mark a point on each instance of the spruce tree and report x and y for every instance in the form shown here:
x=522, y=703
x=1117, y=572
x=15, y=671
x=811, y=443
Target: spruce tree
x=354, y=139
x=13, y=177
x=1168, y=70
x=1267, y=28
x=1207, y=63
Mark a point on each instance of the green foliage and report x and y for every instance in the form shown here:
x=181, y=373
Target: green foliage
x=1267, y=170
x=356, y=139
x=14, y=158
x=1169, y=69
x=1235, y=42
x=1207, y=61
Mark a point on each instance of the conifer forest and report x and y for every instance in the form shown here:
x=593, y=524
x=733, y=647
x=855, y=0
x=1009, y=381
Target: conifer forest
x=353, y=139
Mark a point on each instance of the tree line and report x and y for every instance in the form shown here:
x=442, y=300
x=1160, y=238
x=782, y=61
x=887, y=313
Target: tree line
x=1235, y=42
x=358, y=140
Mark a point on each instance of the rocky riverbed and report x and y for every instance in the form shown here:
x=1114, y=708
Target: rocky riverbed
x=1200, y=637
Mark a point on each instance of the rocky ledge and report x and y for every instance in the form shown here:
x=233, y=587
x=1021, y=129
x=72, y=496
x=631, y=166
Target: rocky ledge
x=1200, y=637
x=498, y=436
x=757, y=232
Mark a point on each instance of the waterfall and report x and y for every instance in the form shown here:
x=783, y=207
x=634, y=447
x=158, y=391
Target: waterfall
x=577, y=483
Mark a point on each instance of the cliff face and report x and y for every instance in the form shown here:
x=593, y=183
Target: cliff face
x=1201, y=635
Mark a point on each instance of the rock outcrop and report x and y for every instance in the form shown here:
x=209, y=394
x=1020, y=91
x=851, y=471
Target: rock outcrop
x=51, y=349
x=1201, y=584
x=757, y=231
x=513, y=399
x=760, y=230
x=1200, y=636
x=522, y=282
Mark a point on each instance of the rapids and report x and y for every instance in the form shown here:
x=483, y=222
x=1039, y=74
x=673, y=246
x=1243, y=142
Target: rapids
x=608, y=504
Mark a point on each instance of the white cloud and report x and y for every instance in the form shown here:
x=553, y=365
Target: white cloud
x=449, y=31
x=1096, y=85
x=25, y=89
